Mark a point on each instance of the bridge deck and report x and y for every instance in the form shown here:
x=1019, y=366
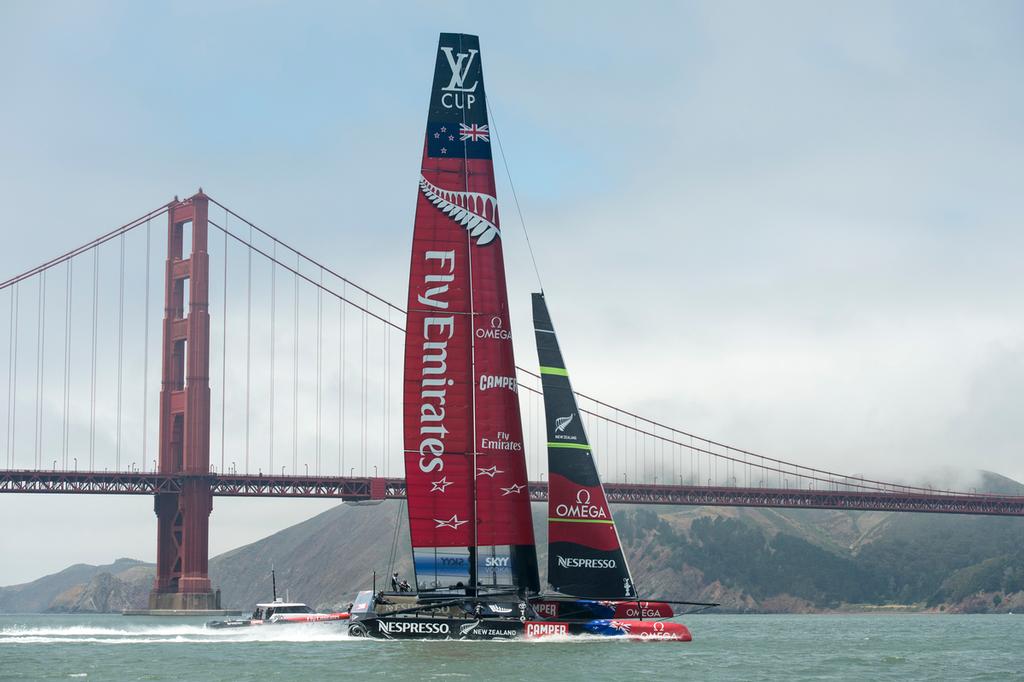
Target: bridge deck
x=367, y=488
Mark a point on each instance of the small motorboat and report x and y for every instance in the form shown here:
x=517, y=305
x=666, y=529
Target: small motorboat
x=279, y=612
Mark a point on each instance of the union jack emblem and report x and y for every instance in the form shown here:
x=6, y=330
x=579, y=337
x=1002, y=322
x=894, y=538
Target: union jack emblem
x=621, y=626
x=474, y=133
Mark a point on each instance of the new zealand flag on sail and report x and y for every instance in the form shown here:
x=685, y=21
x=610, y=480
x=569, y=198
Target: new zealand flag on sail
x=457, y=125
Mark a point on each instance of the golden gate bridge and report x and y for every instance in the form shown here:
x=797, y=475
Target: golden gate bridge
x=266, y=373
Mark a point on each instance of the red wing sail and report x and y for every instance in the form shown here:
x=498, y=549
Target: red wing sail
x=585, y=558
x=464, y=460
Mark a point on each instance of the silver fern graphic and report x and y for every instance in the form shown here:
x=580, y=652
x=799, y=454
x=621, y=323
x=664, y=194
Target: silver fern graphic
x=470, y=209
x=562, y=423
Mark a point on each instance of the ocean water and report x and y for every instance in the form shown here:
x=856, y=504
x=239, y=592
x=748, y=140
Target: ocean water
x=725, y=647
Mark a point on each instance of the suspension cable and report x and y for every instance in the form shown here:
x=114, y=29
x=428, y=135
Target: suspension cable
x=68, y=290
x=223, y=351
x=248, y=348
x=780, y=465
x=145, y=358
x=95, y=320
x=342, y=433
x=12, y=378
x=127, y=227
x=319, y=365
x=305, y=257
x=40, y=368
x=273, y=344
x=120, y=359
x=295, y=378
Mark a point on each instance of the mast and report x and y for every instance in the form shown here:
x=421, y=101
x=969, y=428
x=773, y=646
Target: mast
x=585, y=557
x=464, y=459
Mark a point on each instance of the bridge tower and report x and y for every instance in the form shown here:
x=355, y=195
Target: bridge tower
x=183, y=517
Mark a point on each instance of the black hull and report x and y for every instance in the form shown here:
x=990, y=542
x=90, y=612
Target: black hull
x=460, y=628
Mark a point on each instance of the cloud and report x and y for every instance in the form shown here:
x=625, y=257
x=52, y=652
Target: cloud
x=791, y=228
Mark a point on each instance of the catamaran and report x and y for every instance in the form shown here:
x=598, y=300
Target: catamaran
x=474, y=554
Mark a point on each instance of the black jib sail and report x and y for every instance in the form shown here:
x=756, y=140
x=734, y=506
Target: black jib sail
x=585, y=557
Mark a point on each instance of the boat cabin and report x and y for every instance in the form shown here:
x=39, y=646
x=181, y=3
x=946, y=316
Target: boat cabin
x=278, y=606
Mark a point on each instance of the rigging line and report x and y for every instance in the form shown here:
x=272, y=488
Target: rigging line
x=515, y=197
x=120, y=359
x=145, y=355
x=40, y=366
x=307, y=258
x=248, y=350
x=223, y=349
x=12, y=377
x=131, y=225
x=273, y=344
x=68, y=289
x=95, y=319
x=474, y=522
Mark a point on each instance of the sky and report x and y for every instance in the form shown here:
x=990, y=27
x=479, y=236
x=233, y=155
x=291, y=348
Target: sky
x=793, y=228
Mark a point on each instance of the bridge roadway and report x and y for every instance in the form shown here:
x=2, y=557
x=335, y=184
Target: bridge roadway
x=363, y=489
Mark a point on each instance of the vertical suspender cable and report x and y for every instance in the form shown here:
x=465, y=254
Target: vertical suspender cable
x=145, y=356
x=224, y=344
x=248, y=345
x=319, y=361
x=40, y=348
x=12, y=378
x=363, y=399
x=273, y=328
x=95, y=318
x=295, y=373
x=341, y=384
x=67, y=364
x=120, y=357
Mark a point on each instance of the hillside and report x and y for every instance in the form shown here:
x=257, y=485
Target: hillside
x=82, y=587
x=750, y=560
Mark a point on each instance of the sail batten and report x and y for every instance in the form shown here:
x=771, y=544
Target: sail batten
x=585, y=557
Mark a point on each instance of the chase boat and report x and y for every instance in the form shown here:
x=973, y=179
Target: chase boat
x=279, y=612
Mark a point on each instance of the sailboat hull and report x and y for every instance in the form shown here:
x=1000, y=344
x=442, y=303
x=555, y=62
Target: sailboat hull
x=592, y=609
x=397, y=627
x=402, y=616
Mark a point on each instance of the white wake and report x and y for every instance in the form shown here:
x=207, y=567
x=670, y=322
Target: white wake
x=173, y=634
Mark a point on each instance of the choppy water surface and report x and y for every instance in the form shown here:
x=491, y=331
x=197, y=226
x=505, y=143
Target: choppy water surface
x=904, y=647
